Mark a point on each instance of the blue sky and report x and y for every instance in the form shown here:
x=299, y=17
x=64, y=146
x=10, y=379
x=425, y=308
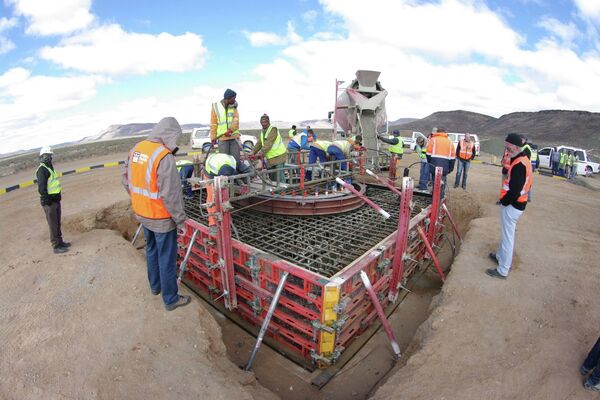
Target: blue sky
x=71, y=68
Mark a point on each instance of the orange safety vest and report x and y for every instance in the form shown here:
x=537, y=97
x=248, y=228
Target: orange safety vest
x=528, y=179
x=441, y=147
x=466, y=150
x=143, y=180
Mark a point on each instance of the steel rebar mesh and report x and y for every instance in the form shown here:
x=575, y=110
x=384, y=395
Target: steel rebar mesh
x=323, y=244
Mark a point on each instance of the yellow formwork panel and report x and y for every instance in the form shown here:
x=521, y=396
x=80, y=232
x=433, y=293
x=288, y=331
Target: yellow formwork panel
x=331, y=298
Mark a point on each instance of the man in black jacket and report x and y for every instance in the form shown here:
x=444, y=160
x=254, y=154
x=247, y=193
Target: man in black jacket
x=50, y=189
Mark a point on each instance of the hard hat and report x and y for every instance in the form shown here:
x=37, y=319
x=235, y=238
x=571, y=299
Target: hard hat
x=46, y=150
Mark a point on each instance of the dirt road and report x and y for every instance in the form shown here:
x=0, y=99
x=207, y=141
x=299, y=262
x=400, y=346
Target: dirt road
x=84, y=325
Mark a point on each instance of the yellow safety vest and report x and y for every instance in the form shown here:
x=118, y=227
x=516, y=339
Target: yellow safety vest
x=53, y=182
x=533, y=155
x=224, y=118
x=181, y=163
x=321, y=144
x=278, y=147
x=291, y=133
x=218, y=160
x=397, y=148
x=344, y=146
x=422, y=153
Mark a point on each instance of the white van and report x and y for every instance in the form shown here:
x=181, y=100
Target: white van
x=584, y=165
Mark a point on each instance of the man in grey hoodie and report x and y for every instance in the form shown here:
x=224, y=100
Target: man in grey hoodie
x=152, y=181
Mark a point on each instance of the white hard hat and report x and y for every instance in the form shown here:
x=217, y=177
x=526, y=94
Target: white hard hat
x=46, y=150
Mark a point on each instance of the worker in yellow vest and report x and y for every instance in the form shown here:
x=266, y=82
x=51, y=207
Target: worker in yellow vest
x=421, y=150
x=318, y=151
x=225, y=124
x=152, y=181
x=396, y=144
x=292, y=132
x=271, y=147
x=465, y=152
x=341, y=149
x=562, y=166
x=50, y=189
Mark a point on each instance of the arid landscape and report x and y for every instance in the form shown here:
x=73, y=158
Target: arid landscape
x=84, y=324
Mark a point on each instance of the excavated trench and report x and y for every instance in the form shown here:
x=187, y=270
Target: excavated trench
x=371, y=364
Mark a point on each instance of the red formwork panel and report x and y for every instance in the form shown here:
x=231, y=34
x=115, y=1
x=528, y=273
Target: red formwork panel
x=298, y=322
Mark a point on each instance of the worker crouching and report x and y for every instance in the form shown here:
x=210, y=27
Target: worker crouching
x=340, y=150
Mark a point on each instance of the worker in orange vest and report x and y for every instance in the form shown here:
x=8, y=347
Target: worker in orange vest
x=513, y=198
x=441, y=153
x=465, y=152
x=152, y=181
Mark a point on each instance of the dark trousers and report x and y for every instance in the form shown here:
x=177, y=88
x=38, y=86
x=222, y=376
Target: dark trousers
x=231, y=147
x=592, y=362
x=161, y=258
x=53, y=217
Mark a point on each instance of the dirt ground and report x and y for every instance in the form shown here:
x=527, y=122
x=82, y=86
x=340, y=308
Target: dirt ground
x=83, y=325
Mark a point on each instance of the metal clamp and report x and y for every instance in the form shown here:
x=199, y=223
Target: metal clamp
x=341, y=306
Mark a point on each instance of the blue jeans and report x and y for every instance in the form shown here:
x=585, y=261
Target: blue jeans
x=424, y=176
x=161, y=257
x=592, y=362
x=508, y=219
x=463, y=168
x=315, y=153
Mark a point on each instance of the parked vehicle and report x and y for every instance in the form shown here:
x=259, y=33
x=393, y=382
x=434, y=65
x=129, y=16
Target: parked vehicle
x=200, y=139
x=584, y=165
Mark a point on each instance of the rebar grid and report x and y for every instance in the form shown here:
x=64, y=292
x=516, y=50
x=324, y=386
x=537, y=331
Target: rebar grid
x=323, y=244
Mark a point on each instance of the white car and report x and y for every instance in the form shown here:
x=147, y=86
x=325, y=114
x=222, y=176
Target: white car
x=584, y=165
x=200, y=139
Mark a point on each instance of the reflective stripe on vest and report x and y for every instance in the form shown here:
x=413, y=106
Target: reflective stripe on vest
x=528, y=179
x=53, y=184
x=397, y=148
x=143, y=180
x=443, y=149
x=298, y=138
x=343, y=145
x=466, y=149
x=182, y=163
x=278, y=147
x=218, y=160
x=321, y=144
x=224, y=118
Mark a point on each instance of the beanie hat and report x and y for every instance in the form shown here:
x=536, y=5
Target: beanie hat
x=229, y=94
x=396, y=132
x=265, y=116
x=514, y=138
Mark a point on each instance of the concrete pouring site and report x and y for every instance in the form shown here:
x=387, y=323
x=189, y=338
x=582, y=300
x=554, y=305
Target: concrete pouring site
x=338, y=279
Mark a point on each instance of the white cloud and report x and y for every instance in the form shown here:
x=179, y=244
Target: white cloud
x=589, y=8
x=55, y=17
x=6, y=44
x=565, y=32
x=109, y=49
x=309, y=17
x=260, y=39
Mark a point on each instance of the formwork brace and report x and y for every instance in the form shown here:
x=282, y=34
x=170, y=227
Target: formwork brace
x=431, y=253
x=224, y=242
x=401, y=238
x=449, y=216
x=435, y=204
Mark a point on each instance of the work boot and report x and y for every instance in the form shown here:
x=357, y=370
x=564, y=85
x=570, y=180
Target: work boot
x=65, y=244
x=59, y=249
x=183, y=300
x=589, y=385
x=494, y=273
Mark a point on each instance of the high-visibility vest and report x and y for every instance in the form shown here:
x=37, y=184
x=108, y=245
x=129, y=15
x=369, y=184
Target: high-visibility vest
x=528, y=179
x=143, y=179
x=298, y=138
x=571, y=159
x=182, y=163
x=440, y=146
x=397, y=148
x=321, y=144
x=216, y=161
x=291, y=133
x=53, y=184
x=466, y=149
x=563, y=159
x=533, y=155
x=343, y=145
x=422, y=152
x=224, y=118
x=278, y=147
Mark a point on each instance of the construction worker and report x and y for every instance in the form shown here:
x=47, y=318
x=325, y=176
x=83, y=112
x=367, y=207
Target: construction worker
x=185, y=169
x=292, y=132
x=465, y=152
x=50, y=190
x=271, y=147
x=421, y=150
x=441, y=153
x=396, y=144
x=152, y=181
x=562, y=165
x=591, y=367
x=318, y=151
x=218, y=164
x=341, y=149
x=575, y=165
x=570, y=160
x=224, y=125
x=311, y=135
x=555, y=161
x=297, y=143
x=532, y=155
x=513, y=198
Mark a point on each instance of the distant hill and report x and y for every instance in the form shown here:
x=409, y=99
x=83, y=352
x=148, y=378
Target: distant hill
x=402, y=121
x=548, y=127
